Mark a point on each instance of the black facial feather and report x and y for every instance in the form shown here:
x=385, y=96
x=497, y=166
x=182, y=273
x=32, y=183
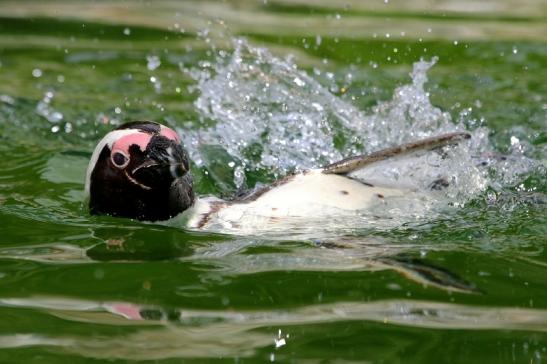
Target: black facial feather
x=157, y=148
x=155, y=185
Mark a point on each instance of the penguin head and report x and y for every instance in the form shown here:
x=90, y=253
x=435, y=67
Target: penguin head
x=141, y=171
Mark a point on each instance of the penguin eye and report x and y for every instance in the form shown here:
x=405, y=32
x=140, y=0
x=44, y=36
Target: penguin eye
x=120, y=160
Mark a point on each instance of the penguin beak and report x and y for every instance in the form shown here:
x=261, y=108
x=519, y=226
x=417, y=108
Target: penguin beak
x=176, y=169
x=165, y=162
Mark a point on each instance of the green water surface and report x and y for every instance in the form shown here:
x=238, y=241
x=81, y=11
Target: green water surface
x=77, y=288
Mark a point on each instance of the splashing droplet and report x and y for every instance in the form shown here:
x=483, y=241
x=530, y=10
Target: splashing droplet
x=43, y=108
x=37, y=73
x=153, y=62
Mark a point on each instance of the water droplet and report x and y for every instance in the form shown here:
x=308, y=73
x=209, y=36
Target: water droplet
x=299, y=82
x=515, y=50
x=7, y=99
x=55, y=117
x=37, y=72
x=280, y=342
x=239, y=176
x=68, y=128
x=153, y=62
x=127, y=31
x=317, y=106
x=43, y=108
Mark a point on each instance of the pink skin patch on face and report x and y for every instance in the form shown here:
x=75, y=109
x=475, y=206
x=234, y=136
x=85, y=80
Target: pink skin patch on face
x=169, y=133
x=123, y=144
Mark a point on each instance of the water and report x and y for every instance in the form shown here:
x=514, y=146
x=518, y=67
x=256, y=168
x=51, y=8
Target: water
x=272, y=89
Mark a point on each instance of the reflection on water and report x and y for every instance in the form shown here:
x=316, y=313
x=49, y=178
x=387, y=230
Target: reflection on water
x=509, y=19
x=236, y=257
x=209, y=333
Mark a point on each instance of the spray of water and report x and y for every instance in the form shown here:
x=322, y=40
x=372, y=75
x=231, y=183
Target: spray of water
x=268, y=114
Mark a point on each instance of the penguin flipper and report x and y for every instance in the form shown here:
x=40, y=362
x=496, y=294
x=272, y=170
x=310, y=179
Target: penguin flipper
x=354, y=163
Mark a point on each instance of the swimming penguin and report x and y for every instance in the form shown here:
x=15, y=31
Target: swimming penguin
x=141, y=171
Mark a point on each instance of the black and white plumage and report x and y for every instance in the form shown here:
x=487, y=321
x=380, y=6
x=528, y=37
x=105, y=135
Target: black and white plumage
x=140, y=170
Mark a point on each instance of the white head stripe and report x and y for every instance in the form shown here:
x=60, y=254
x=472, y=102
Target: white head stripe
x=109, y=139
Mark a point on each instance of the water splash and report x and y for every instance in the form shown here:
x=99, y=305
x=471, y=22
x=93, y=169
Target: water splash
x=260, y=100
x=44, y=108
x=257, y=98
x=269, y=114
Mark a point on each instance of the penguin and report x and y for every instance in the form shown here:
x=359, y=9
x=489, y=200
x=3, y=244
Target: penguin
x=141, y=171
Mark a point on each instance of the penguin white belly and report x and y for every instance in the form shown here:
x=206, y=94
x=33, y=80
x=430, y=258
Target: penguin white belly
x=309, y=194
x=306, y=196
